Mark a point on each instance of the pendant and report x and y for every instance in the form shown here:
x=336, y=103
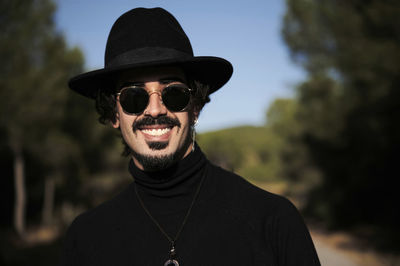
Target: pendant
x=171, y=263
x=172, y=253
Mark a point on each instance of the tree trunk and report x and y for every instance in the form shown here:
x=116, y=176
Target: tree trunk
x=20, y=193
x=48, y=201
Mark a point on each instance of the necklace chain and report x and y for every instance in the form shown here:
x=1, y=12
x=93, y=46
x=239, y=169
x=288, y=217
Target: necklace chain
x=170, y=239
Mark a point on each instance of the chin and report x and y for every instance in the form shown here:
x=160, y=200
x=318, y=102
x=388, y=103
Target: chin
x=155, y=160
x=157, y=145
x=159, y=155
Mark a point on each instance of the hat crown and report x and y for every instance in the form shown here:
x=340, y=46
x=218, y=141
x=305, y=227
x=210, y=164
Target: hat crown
x=152, y=37
x=145, y=35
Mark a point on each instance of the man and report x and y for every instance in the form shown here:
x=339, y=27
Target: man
x=180, y=209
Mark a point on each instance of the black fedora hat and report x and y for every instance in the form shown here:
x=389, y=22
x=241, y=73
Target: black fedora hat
x=152, y=37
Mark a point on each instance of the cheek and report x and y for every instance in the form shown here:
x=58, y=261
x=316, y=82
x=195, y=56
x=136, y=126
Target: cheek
x=185, y=122
x=125, y=123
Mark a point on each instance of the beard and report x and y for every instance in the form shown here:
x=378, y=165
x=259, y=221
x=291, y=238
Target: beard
x=154, y=163
x=157, y=145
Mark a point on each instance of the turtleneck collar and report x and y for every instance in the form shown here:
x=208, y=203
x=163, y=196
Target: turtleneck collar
x=177, y=180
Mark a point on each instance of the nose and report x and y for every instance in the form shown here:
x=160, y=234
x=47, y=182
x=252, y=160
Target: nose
x=155, y=108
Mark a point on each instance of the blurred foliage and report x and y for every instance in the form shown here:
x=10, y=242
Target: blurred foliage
x=295, y=166
x=249, y=151
x=48, y=131
x=348, y=108
x=269, y=154
x=336, y=142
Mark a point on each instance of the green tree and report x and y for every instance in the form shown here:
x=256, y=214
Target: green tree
x=349, y=105
x=247, y=150
x=294, y=163
x=36, y=64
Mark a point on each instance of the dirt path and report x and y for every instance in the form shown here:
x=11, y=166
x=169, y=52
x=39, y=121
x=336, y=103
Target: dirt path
x=330, y=256
x=341, y=249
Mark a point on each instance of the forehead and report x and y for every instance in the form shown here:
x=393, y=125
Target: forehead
x=143, y=75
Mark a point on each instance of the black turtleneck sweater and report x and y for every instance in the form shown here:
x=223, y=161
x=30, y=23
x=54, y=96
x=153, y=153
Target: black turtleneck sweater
x=232, y=222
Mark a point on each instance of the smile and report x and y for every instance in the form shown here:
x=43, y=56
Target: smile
x=156, y=131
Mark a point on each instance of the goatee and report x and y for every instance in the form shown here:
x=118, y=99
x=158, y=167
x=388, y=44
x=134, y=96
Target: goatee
x=157, y=145
x=154, y=163
x=160, y=162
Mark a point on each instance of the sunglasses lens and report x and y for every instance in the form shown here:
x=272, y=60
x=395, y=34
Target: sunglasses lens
x=134, y=100
x=176, y=98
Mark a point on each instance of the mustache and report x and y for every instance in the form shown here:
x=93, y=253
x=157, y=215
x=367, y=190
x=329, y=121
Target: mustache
x=149, y=121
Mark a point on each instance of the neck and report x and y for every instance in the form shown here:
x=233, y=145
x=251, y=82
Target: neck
x=178, y=172
x=170, y=189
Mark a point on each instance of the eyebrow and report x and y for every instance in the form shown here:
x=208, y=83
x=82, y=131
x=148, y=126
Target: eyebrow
x=130, y=84
x=168, y=80
x=164, y=80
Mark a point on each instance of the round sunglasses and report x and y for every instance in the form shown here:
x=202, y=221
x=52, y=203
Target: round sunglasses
x=135, y=99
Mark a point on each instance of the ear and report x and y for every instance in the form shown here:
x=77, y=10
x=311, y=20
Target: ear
x=195, y=117
x=116, y=123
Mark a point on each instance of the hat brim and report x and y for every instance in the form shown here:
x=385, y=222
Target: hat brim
x=209, y=70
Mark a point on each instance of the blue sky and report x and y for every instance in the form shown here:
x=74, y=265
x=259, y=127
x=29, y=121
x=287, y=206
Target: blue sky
x=247, y=33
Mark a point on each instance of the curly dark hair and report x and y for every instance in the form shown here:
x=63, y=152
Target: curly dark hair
x=106, y=104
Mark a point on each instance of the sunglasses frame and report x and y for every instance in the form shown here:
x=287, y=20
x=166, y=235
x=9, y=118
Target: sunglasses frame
x=160, y=93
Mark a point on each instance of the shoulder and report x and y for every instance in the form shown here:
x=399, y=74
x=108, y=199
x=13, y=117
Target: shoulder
x=239, y=192
x=105, y=214
x=266, y=212
x=270, y=216
x=93, y=229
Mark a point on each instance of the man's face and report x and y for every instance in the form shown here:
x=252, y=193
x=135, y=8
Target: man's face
x=157, y=136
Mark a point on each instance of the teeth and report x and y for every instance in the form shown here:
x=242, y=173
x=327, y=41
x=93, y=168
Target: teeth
x=156, y=132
